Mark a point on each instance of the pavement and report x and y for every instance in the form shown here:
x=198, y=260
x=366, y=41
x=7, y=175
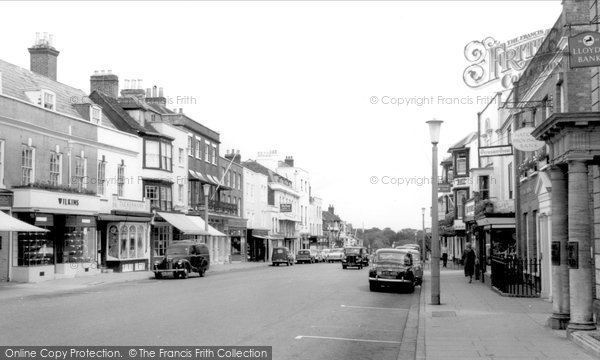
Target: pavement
x=10, y=290
x=475, y=322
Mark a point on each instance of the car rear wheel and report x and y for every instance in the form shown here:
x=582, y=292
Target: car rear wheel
x=158, y=275
x=201, y=272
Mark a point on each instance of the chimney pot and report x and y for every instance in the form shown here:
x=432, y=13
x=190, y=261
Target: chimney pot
x=139, y=84
x=154, y=91
x=160, y=92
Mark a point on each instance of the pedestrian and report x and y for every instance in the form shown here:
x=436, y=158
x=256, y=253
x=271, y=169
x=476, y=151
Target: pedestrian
x=444, y=255
x=469, y=258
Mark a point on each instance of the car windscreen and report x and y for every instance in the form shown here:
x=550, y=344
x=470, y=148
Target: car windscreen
x=177, y=250
x=390, y=256
x=352, y=251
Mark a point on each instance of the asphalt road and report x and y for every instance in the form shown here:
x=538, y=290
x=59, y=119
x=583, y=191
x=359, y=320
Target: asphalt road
x=312, y=311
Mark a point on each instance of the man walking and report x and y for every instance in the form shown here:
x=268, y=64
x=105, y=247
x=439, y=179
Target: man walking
x=444, y=255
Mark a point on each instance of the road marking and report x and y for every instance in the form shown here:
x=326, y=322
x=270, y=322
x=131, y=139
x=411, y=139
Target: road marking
x=369, y=307
x=299, y=337
x=359, y=327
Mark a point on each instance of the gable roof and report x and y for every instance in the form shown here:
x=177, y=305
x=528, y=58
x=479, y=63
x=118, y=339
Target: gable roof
x=463, y=142
x=16, y=81
x=327, y=216
x=120, y=118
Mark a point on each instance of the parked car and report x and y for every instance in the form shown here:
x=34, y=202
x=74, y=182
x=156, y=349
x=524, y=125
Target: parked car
x=319, y=256
x=325, y=253
x=282, y=255
x=410, y=246
x=417, y=264
x=306, y=256
x=353, y=257
x=392, y=268
x=182, y=258
x=335, y=255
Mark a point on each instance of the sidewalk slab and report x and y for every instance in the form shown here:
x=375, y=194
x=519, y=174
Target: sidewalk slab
x=474, y=322
x=11, y=290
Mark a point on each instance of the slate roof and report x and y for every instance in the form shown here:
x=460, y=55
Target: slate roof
x=17, y=80
x=327, y=216
x=463, y=142
x=120, y=118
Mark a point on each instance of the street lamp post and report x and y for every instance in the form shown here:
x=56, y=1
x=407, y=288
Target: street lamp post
x=206, y=188
x=434, y=133
x=423, y=250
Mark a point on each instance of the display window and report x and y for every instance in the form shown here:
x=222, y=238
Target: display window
x=80, y=244
x=34, y=249
x=127, y=241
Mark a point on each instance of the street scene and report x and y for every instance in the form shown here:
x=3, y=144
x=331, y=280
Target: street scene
x=300, y=180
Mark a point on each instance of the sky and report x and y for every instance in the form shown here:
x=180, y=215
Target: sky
x=314, y=80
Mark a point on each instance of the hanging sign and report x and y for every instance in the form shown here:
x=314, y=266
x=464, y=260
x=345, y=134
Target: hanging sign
x=584, y=50
x=524, y=141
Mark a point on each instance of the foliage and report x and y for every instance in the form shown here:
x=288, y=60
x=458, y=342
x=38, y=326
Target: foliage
x=53, y=187
x=376, y=238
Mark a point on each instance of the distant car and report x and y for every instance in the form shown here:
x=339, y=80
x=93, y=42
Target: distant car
x=392, y=268
x=417, y=264
x=182, y=258
x=319, y=256
x=410, y=246
x=335, y=255
x=306, y=256
x=353, y=257
x=282, y=255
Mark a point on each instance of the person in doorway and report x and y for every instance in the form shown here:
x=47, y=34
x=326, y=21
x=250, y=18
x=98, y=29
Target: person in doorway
x=444, y=255
x=469, y=258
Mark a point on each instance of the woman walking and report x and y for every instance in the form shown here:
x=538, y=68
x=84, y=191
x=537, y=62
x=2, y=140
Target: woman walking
x=469, y=261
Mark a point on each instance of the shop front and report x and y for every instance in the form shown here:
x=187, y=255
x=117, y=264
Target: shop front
x=257, y=245
x=124, y=227
x=68, y=248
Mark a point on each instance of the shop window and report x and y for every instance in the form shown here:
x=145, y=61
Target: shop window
x=113, y=242
x=141, y=249
x=101, y=177
x=34, y=249
x=132, y=242
x=80, y=244
x=160, y=238
x=27, y=160
x=123, y=245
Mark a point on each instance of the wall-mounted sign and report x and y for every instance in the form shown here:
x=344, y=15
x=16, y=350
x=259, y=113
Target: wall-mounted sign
x=444, y=188
x=6, y=200
x=500, y=150
x=285, y=207
x=584, y=50
x=573, y=254
x=68, y=201
x=556, y=253
x=524, y=141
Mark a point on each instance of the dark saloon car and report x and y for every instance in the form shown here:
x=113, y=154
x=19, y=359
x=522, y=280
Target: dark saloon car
x=306, y=256
x=182, y=258
x=392, y=268
x=353, y=257
x=282, y=255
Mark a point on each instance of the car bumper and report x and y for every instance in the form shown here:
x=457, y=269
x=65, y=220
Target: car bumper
x=390, y=281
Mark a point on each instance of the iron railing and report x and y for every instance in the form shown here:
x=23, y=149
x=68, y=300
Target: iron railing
x=517, y=277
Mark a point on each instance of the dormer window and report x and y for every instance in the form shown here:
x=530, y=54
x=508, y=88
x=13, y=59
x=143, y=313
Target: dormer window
x=48, y=100
x=95, y=114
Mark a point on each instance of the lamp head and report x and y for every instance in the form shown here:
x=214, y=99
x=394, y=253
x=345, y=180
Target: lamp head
x=434, y=130
x=206, y=188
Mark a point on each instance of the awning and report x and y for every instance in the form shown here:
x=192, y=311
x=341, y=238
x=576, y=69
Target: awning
x=183, y=223
x=9, y=223
x=495, y=221
x=198, y=221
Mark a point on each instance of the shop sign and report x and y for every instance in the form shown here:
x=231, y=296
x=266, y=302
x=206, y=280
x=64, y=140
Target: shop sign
x=461, y=181
x=50, y=201
x=524, y=141
x=584, y=50
x=459, y=225
x=285, y=207
x=444, y=188
x=131, y=205
x=501, y=150
x=6, y=200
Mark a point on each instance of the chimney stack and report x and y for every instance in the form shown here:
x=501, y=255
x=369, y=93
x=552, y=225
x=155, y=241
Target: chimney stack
x=289, y=160
x=331, y=209
x=235, y=155
x=105, y=82
x=43, y=56
x=133, y=88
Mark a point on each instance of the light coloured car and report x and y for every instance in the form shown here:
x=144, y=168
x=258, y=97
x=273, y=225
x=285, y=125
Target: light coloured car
x=335, y=255
x=325, y=253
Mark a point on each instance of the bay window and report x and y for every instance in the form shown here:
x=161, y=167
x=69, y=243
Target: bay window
x=158, y=154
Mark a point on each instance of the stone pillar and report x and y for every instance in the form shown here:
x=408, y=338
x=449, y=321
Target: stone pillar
x=596, y=207
x=580, y=274
x=560, y=271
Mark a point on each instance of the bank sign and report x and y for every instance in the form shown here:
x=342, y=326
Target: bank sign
x=584, y=50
